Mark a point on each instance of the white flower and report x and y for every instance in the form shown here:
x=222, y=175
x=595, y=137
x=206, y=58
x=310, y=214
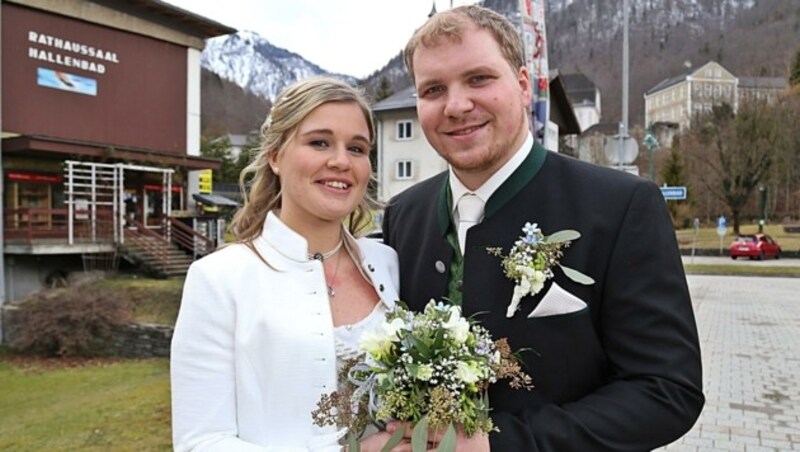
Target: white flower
x=392, y=328
x=424, y=372
x=372, y=342
x=457, y=325
x=467, y=372
x=537, y=281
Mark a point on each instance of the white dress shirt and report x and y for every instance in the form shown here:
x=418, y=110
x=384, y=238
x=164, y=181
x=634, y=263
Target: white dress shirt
x=485, y=191
x=253, y=348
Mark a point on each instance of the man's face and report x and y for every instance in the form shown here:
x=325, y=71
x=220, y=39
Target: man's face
x=472, y=105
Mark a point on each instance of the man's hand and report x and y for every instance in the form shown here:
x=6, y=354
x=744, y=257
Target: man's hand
x=479, y=442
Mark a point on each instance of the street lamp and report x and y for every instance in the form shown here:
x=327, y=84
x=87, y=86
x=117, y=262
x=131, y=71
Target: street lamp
x=762, y=207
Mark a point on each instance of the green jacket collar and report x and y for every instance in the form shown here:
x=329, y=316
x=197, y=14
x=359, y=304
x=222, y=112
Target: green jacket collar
x=518, y=179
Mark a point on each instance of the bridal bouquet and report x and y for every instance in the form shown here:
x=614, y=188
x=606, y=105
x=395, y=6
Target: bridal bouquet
x=431, y=368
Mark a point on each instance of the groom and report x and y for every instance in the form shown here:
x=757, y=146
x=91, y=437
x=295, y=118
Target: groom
x=616, y=363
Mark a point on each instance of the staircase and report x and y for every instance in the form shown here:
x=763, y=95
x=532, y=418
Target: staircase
x=161, y=257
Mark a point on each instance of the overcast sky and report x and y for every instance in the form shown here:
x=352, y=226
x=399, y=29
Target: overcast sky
x=353, y=37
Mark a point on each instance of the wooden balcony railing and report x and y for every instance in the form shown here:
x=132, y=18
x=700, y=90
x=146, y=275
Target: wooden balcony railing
x=30, y=224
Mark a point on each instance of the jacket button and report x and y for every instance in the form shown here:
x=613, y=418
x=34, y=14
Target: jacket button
x=440, y=266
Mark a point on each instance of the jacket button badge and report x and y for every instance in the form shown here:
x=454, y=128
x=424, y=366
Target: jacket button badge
x=440, y=266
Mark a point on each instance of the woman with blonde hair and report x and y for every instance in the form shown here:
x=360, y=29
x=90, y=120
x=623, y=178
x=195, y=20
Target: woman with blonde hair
x=265, y=322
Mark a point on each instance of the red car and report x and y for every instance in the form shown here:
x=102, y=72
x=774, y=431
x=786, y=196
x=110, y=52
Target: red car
x=755, y=246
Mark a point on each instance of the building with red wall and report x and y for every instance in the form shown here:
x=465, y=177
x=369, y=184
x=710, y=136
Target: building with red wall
x=114, y=87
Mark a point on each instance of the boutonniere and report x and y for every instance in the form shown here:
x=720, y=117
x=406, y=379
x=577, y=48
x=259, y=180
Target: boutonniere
x=531, y=261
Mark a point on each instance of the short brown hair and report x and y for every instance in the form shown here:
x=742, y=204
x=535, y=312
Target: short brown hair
x=450, y=25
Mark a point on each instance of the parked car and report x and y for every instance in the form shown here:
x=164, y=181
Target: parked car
x=755, y=246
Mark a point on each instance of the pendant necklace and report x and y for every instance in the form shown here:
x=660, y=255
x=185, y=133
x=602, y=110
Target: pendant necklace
x=331, y=292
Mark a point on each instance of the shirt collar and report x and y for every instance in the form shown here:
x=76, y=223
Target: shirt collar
x=485, y=191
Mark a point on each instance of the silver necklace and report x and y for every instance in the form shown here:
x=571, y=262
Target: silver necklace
x=322, y=256
x=331, y=292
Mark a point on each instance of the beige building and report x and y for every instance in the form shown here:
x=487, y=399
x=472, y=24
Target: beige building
x=678, y=99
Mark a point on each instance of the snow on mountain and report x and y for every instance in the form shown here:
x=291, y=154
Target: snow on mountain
x=250, y=61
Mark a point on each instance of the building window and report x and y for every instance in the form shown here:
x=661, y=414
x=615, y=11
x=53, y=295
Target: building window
x=404, y=130
x=403, y=170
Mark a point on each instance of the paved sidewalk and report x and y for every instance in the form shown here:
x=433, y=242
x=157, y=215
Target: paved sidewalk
x=750, y=339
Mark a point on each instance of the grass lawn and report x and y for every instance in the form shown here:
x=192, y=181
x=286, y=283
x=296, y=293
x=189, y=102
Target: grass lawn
x=742, y=270
x=103, y=405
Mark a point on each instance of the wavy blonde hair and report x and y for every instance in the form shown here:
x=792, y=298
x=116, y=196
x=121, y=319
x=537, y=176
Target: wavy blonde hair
x=450, y=26
x=260, y=186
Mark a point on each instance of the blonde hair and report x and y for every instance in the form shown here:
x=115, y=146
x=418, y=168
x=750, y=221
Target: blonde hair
x=450, y=26
x=260, y=186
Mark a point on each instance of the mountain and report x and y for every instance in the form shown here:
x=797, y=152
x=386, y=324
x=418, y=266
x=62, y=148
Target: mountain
x=748, y=37
x=250, y=61
x=227, y=108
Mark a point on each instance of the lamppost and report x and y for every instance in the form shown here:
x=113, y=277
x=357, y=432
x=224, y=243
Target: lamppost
x=762, y=207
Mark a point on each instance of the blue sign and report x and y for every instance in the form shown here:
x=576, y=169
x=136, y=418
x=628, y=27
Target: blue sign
x=674, y=192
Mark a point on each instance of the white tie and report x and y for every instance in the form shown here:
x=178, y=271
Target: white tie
x=470, y=210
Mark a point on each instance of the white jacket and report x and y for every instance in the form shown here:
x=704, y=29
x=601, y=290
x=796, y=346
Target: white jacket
x=253, y=347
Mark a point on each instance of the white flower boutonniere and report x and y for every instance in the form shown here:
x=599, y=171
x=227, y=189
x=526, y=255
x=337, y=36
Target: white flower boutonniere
x=530, y=262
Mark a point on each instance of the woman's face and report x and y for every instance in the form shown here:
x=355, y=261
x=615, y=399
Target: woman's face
x=324, y=169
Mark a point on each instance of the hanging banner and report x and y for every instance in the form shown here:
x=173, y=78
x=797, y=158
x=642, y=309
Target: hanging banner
x=535, y=40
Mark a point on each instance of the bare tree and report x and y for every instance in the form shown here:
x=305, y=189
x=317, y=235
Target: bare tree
x=735, y=151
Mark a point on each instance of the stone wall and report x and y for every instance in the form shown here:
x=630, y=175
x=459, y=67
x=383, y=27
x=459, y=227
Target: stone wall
x=143, y=341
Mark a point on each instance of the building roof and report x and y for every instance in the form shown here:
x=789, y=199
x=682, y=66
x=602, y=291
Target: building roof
x=580, y=89
x=763, y=82
x=561, y=111
x=405, y=98
x=603, y=128
x=667, y=82
x=170, y=16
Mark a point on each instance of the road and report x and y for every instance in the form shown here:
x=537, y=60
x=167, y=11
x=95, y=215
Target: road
x=750, y=339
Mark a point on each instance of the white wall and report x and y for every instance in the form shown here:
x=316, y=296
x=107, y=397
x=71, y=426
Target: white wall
x=425, y=161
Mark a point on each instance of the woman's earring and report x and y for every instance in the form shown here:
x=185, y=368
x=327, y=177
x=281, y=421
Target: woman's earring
x=275, y=170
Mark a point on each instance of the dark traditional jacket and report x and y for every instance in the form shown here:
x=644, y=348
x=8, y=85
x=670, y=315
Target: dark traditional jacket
x=622, y=374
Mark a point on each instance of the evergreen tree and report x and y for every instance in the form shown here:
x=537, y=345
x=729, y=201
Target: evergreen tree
x=673, y=174
x=384, y=89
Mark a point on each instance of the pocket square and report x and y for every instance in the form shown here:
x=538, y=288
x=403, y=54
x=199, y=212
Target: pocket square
x=557, y=301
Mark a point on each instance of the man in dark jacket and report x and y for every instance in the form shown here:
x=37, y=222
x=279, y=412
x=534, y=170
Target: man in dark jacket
x=617, y=361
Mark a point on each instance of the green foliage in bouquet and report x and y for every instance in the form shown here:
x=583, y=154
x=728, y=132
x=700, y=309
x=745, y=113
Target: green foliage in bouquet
x=431, y=369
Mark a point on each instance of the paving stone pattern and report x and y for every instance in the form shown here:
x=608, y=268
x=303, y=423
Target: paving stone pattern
x=750, y=341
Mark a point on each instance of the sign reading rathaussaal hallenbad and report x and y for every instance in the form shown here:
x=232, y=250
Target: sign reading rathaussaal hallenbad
x=57, y=50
